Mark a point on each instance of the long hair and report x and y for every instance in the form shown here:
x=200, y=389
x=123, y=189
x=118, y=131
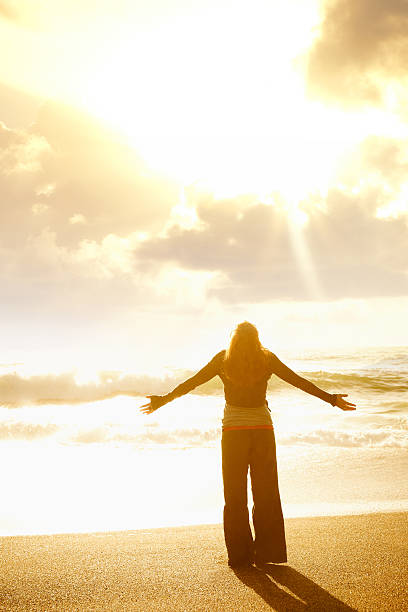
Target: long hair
x=245, y=358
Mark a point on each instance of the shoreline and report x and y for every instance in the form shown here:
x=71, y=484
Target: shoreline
x=399, y=509
x=353, y=562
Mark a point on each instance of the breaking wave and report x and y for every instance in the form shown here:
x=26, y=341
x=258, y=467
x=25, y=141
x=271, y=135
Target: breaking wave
x=193, y=437
x=26, y=431
x=374, y=381
x=188, y=437
x=385, y=438
x=18, y=390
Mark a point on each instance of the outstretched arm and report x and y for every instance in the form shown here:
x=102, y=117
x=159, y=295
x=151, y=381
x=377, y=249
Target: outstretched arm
x=289, y=376
x=204, y=375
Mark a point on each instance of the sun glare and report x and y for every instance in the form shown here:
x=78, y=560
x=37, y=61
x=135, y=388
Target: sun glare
x=211, y=96
x=232, y=116
x=234, y=133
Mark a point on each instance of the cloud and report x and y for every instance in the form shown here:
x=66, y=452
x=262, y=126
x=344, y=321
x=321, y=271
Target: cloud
x=21, y=152
x=94, y=246
x=261, y=255
x=75, y=201
x=361, y=44
x=379, y=161
x=18, y=109
x=72, y=168
x=358, y=254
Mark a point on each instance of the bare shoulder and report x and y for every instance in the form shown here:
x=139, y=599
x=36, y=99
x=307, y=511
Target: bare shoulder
x=219, y=357
x=271, y=359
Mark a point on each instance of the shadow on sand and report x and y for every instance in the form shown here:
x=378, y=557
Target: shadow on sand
x=284, y=589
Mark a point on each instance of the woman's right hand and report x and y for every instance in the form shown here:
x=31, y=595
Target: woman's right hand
x=343, y=404
x=156, y=401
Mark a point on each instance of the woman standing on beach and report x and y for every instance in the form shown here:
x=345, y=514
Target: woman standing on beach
x=248, y=441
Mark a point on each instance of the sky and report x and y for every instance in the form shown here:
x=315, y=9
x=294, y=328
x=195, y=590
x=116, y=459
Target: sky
x=168, y=169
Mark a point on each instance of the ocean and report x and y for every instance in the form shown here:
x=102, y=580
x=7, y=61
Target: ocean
x=78, y=456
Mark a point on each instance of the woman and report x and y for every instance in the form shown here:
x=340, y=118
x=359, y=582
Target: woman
x=248, y=441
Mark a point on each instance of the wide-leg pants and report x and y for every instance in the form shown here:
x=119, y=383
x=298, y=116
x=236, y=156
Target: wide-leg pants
x=253, y=448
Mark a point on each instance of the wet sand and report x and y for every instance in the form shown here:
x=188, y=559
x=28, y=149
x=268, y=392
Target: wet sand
x=335, y=563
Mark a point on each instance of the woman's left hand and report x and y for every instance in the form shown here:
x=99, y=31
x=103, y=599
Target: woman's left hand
x=343, y=404
x=156, y=401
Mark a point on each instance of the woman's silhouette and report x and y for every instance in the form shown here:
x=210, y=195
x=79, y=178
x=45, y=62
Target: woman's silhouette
x=248, y=441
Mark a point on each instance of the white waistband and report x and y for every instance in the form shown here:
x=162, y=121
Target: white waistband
x=236, y=416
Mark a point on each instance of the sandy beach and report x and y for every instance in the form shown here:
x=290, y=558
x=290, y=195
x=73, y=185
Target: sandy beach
x=335, y=563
